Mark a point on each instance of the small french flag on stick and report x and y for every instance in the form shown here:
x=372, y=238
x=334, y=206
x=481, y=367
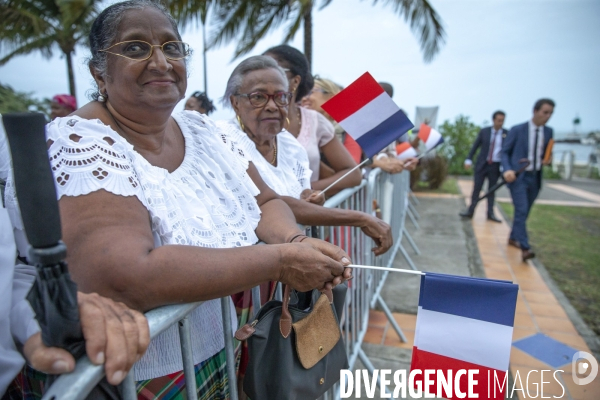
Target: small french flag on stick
x=368, y=114
x=405, y=150
x=430, y=137
x=464, y=331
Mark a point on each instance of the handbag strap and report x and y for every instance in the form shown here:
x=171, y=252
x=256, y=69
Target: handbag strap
x=285, y=321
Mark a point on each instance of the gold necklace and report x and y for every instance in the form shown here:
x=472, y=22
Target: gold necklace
x=274, y=152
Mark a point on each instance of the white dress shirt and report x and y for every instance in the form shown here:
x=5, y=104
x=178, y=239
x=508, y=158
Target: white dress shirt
x=497, y=147
x=540, y=145
x=497, y=135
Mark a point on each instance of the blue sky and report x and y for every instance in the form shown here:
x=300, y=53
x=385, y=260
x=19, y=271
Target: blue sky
x=499, y=54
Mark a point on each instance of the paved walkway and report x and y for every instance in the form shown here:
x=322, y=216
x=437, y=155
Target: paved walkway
x=544, y=337
x=539, y=315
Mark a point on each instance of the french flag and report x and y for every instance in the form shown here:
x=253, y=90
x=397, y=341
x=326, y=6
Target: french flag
x=405, y=150
x=430, y=137
x=368, y=114
x=464, y=323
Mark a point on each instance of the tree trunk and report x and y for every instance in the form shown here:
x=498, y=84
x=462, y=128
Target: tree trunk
x=71, y=75
x=308, y=35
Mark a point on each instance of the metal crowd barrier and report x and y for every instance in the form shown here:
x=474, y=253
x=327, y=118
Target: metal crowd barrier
x=392, y=195
x=79, y=383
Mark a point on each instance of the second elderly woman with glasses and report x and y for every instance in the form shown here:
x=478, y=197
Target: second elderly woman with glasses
x=312, y=130
x=257, y=90
x=156, y=209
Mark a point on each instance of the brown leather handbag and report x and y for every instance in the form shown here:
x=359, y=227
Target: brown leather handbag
x=296, y=350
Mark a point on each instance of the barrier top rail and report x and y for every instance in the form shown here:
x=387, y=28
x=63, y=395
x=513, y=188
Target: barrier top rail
x=79, y=383
x=343, y=195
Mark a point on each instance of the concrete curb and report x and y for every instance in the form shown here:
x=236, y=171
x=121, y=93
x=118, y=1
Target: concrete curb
x=475, y=262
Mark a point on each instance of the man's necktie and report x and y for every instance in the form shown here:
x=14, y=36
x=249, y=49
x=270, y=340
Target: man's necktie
x=491, y=155
x=535, y=149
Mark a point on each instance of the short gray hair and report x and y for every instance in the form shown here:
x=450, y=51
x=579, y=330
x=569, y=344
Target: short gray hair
x=105, y=29
x=254, y=63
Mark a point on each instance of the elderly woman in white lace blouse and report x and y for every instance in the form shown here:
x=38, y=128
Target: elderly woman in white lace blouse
x=259, y=93
x=157, y=209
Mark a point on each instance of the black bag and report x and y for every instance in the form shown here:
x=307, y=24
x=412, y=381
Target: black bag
x=296, y=351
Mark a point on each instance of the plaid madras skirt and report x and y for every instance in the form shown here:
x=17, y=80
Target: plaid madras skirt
x=211, y=381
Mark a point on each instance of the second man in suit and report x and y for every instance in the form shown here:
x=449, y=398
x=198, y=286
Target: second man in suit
x=487, y=166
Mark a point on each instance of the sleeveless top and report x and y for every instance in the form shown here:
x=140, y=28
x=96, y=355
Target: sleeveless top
x=291, y=175
x=208, y=201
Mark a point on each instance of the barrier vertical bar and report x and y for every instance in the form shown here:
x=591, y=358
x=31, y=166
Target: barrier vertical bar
x=186, y=356
x=392, y=320
x=413, y=209
x=229, y=350
x=412, y=218
x=414, y=198
x=128, y=388
x=411, y=241
x=407, y=258
x=255, y=300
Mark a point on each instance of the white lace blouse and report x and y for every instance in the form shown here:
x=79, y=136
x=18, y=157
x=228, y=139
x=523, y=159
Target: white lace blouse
x=291, y=175
x=208, y=201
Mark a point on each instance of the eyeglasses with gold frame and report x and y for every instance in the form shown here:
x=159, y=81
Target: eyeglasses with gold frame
x=139, y=50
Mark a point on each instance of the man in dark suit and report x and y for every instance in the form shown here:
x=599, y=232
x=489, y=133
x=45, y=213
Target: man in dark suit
x=526, y=141
x=487, y=165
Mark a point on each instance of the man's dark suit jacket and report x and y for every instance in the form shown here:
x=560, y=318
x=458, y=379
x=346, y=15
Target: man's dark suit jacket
x=483, y=140
x=516, y=147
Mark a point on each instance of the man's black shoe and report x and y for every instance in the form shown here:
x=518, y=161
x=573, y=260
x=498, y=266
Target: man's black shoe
x=514, y=243
x=527, y=254
x=466, y=214
x=492, y=217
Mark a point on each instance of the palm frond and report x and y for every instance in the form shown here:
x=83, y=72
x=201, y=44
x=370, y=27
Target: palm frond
x=249, y=21
x=44, y=45
x=263, y=20
x=20, y=22
x=188, y=11
x=297, y=20
x=324, y=4
x=231, y=19
x=425, y=23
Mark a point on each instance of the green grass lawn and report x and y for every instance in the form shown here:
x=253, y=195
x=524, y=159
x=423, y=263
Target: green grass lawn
x=449, y=186
x=567, y=241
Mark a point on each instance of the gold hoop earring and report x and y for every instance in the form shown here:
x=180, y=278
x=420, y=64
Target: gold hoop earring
x=288, y=122
x=241, y=123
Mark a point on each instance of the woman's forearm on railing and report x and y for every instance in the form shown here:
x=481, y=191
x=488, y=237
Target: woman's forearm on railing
x=311, y=214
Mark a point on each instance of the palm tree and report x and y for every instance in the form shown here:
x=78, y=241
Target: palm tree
x=251, y=20
x=40, y=25
x=186, y=11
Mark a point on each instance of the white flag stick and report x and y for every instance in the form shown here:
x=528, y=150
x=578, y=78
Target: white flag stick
x=406, y=271
x=343, y=176
x=420, y=156
x=425, y=152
